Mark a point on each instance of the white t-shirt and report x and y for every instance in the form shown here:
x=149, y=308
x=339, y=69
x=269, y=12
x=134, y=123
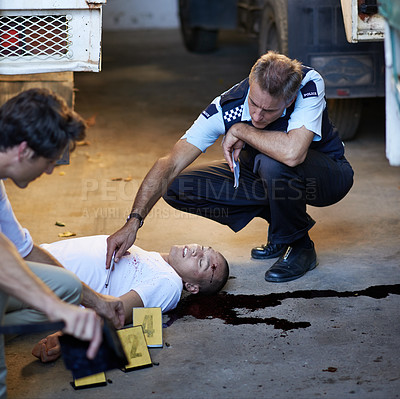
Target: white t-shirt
x=147, y=273
x=307, y=112
x=10, y=226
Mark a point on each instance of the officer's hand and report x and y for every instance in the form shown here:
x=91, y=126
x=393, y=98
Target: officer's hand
x=231, y=144
x=120, y=242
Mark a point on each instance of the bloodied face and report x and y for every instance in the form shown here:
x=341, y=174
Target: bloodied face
x=197, y=264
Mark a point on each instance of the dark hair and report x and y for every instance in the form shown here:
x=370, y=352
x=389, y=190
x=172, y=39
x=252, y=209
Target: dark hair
x=43, y=120
x=216, y=285
x=278, y=75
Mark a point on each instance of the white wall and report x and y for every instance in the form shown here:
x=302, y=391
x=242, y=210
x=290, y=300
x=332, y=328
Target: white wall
x=140, y=14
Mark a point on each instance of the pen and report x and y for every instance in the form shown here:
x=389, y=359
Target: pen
x=109, y=271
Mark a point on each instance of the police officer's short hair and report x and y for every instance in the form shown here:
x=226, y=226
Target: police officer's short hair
x=277, y=74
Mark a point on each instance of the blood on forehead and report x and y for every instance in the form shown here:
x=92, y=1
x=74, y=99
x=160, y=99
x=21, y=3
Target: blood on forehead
x=213, y=268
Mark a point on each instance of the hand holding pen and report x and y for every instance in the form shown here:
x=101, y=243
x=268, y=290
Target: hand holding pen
x=109, y=272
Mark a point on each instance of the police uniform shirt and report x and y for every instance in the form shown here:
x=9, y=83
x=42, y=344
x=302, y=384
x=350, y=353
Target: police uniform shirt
x=309, y=106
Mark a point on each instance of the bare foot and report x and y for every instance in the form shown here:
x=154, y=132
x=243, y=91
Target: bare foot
x=48, y=349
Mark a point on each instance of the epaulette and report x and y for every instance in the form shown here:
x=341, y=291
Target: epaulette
x=236, y=92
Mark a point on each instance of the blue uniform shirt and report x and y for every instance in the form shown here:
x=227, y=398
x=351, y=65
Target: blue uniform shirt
x=309, y=110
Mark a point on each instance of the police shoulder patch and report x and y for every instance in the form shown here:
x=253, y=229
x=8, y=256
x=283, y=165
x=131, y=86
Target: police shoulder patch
x=210, y=111
x=309, y=90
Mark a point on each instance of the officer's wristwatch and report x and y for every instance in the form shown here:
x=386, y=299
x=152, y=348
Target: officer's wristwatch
x=136, y=216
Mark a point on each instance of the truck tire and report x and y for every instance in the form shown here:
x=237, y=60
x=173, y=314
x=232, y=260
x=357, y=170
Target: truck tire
x=274, y=27
x=196, y=39
x=345, y=114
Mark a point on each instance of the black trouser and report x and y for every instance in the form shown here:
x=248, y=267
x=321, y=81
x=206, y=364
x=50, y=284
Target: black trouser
x=267, y=188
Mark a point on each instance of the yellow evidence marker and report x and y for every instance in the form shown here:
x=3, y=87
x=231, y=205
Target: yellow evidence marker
x=94, y=380
x=151, y=321
x=135, y=347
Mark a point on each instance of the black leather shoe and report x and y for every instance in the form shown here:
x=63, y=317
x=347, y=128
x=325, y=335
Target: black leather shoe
x=296, y=262
x=268, y=251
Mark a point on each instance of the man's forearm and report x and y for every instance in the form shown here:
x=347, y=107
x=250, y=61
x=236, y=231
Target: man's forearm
x=163, y=172
x=149, y=193
x=154, y=185
x=90, y=298
x=105, y=305
x=40, y=255
x=19, y=281
x=289, y=148
x=131, y=300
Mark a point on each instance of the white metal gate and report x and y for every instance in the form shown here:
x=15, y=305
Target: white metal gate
x=38, y=36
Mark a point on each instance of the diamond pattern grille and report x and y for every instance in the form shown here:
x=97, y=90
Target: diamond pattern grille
x=43, y=37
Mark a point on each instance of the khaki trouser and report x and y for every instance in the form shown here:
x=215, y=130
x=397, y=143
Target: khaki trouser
x=12, y=311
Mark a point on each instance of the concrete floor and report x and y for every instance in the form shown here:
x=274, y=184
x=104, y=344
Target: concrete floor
x=333, y=333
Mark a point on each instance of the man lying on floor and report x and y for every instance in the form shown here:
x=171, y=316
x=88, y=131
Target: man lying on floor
x=140, y=279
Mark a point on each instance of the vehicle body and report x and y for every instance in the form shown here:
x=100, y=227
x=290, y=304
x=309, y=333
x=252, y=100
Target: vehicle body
x=311, y=31
x=391, y=13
